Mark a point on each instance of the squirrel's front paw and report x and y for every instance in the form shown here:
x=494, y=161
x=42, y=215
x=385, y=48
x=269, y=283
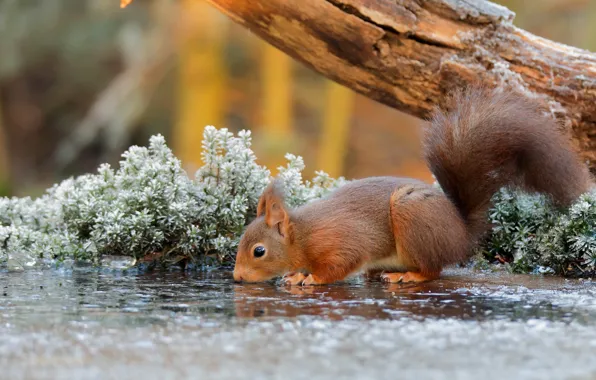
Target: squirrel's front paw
x=312, y=280
x=406, y=277
x=294, y=278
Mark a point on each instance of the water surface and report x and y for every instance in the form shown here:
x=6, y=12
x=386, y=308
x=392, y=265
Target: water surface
x=84, y=324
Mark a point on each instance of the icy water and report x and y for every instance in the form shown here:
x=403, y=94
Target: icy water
x=89, y=325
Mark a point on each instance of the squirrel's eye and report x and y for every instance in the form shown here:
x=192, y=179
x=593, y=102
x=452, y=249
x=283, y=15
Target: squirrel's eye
x=259, y=251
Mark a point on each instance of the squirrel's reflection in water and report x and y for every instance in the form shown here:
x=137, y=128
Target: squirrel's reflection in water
x=365, y=299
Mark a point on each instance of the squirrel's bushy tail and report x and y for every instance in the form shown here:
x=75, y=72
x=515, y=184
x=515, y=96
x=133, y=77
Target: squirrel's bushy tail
x=494, y=138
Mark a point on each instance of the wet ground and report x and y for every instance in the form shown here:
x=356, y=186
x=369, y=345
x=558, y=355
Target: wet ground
x=83, y=324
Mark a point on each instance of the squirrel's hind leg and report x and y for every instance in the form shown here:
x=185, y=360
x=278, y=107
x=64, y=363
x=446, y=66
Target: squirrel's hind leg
x=428, y=232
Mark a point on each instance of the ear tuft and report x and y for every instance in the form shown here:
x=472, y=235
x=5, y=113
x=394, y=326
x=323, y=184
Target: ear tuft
x=272, y=197
x=272, y=207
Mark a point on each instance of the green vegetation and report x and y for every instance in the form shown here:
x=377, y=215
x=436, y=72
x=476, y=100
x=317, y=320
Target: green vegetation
x=533, y=236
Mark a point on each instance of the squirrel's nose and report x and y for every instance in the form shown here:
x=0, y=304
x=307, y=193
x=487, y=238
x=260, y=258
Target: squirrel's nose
x=237, y=276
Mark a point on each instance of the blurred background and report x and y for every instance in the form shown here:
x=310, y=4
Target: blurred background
x=81, y=80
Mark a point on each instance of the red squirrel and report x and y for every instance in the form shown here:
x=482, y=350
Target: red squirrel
x=407, y=229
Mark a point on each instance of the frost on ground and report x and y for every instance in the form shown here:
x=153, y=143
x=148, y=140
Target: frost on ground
x=149, y=209
x=86, y=324
x=149, y=206
x=310, y=348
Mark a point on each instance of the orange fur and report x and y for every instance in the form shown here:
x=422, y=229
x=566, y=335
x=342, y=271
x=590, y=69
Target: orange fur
x=294, y=278
x=409, y=277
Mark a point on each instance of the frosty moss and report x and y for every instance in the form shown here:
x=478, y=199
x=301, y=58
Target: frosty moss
x=149, y=207
x=533, y=236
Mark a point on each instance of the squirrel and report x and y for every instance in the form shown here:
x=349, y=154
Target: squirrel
x=408, y=230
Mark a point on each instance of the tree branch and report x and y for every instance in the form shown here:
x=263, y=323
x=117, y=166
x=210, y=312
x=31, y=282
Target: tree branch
x=407, y=54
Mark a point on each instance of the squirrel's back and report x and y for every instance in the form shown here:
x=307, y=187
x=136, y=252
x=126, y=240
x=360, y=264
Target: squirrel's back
x=354, y=219
x=489, y=139
x=362, y=201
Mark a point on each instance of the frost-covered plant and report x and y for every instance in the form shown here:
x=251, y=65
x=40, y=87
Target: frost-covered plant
x=149, y=207
x=536, y=237
x=299, y=192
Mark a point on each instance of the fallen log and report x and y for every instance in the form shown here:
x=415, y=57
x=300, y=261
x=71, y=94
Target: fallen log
x=408, y=53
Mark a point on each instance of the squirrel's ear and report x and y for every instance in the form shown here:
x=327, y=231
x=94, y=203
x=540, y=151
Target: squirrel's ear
x=272, y=206
x=272, y=198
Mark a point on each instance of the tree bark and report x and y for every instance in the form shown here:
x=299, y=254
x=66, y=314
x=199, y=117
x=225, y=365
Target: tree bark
x=408, y=54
